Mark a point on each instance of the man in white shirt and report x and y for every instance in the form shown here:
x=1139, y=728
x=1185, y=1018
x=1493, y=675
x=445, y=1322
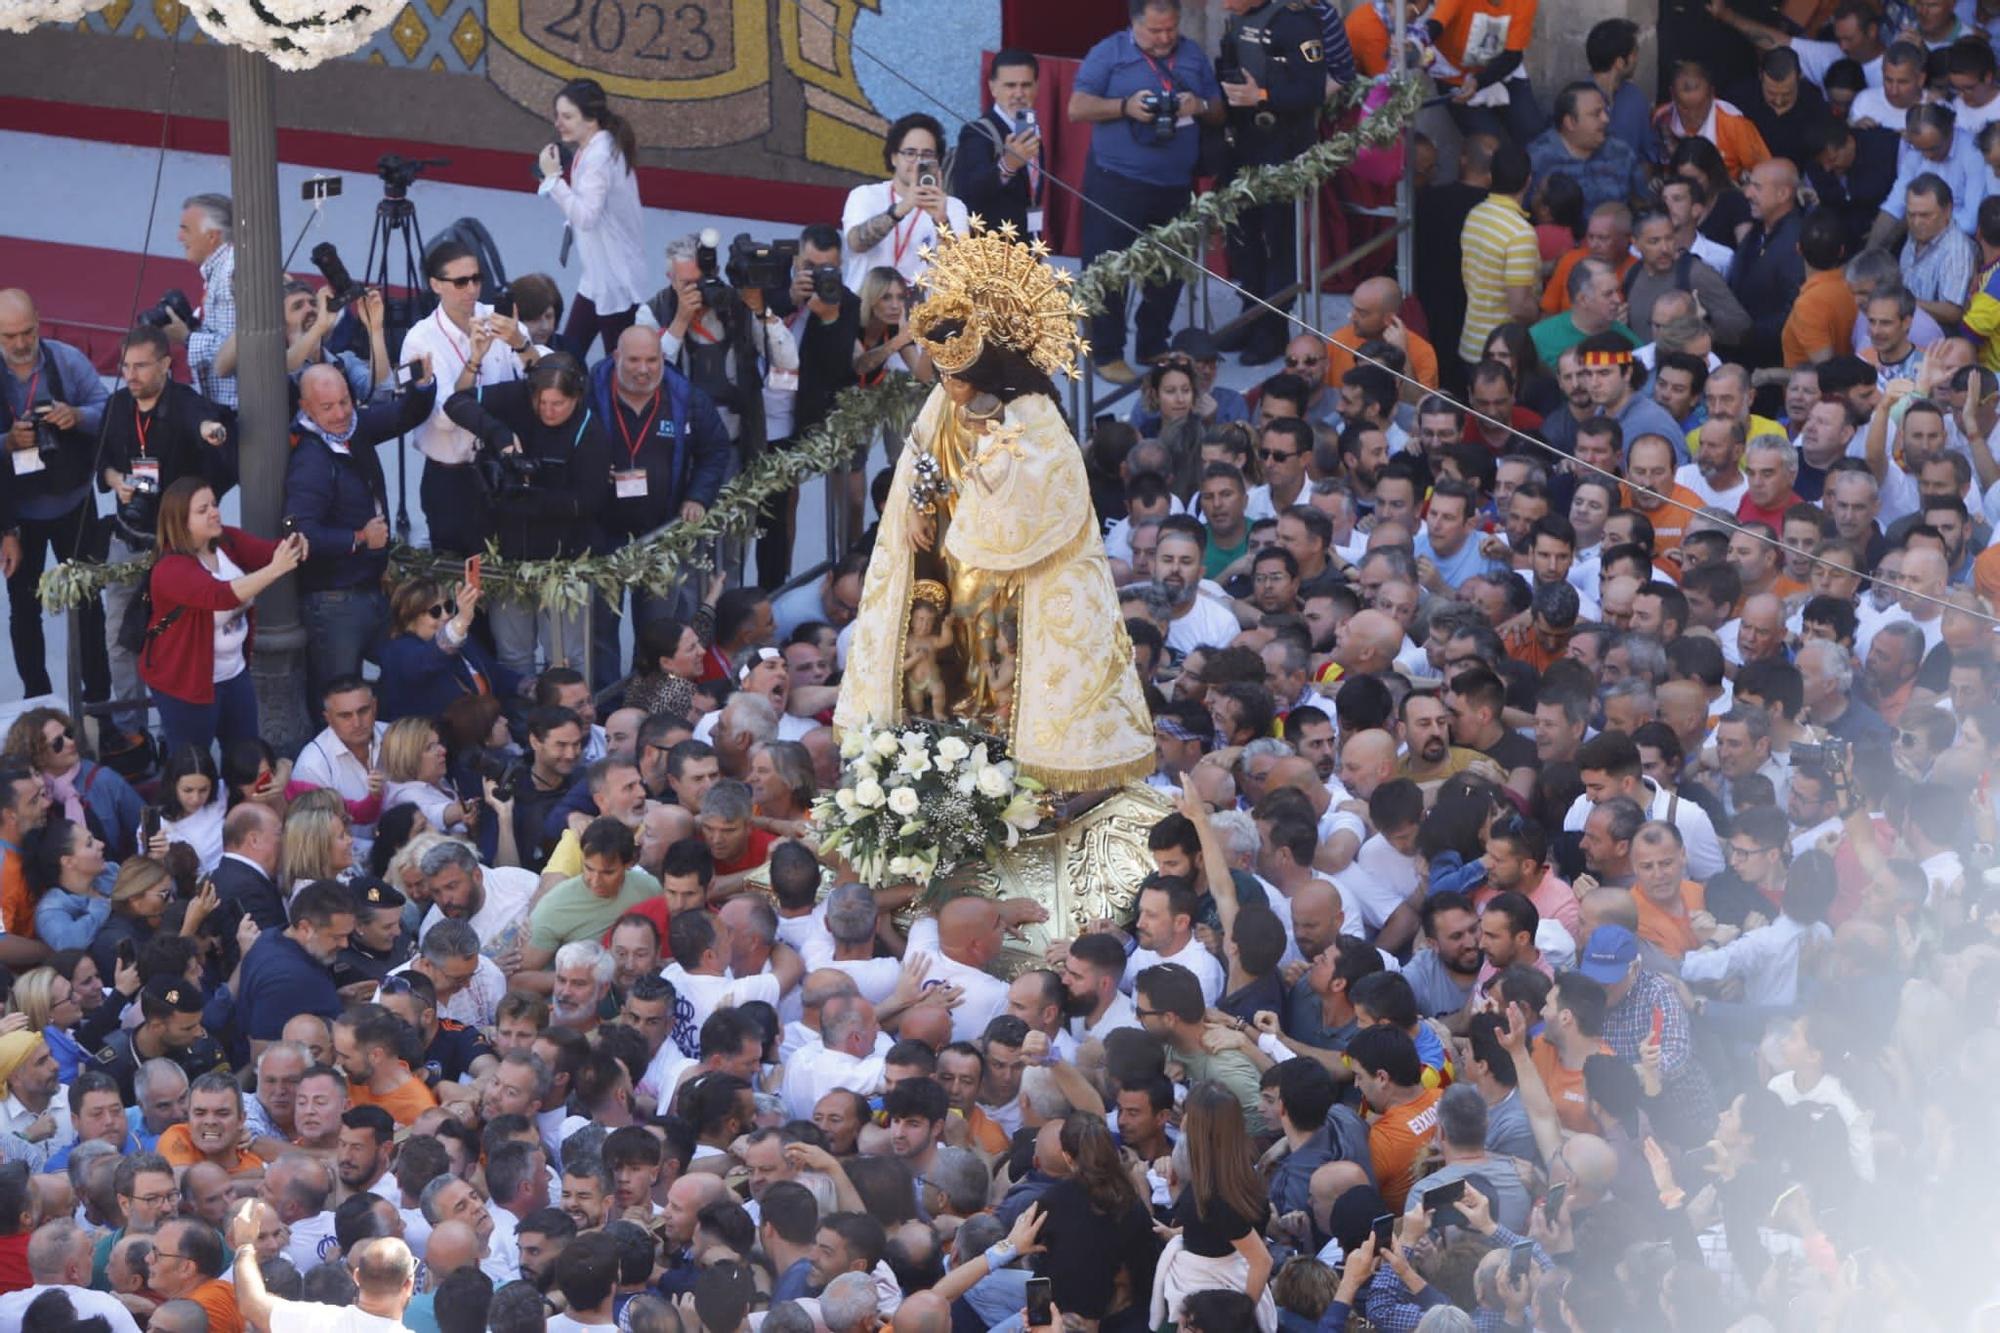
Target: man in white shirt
x=493, y=900
x=1093, y=972
x=35, y=1090
x=59, y=1254
x=701, y=979
x=1195, y=621
x=848, y=944
x=849, y=1056
x=297, y=1187
x=1165, y=930
x=962, y=939
x=891, y=223
x=1609, y=764
x=468, y=345
x=346, y=758
x=1766, y=960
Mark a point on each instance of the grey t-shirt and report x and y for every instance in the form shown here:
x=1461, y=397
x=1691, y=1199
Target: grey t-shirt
x=1508, y=1133
x=1437, y=993
x=1507, y=1195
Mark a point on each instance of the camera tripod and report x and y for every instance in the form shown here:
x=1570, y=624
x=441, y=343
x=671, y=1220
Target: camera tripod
x=396, y=219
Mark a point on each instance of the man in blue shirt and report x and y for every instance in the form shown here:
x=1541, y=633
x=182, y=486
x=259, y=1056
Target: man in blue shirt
x=1144, y=89
x=289, y=972
x=1447, y=550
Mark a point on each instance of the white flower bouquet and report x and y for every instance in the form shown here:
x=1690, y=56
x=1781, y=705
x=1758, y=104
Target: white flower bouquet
x=925, y=796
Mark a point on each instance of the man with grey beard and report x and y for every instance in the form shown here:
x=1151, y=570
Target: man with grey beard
x=1194, y=621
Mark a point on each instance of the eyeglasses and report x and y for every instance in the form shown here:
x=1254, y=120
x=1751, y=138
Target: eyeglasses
x=464, y=282
x=1736, y=853
x=159, y=1253
x=1277, y=455
x=1148, y=1013
x=916, y=155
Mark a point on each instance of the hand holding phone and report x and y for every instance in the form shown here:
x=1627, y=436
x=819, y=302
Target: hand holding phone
x=1041, y=1303
x=472, y=568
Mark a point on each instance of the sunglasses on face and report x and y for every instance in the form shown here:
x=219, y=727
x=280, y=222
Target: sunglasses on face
x=441, y=610
x=61, y=741
x=464, y=282
x=1277, y=455
x=1302, y=361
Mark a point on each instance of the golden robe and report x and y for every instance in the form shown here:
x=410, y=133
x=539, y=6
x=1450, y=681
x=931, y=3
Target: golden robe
x=1022, y=511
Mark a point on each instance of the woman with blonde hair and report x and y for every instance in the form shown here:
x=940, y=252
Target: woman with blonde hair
x=1220, y=1211
x=319, y=841
x=45, y=998
x=139, y=898
x=413, y=762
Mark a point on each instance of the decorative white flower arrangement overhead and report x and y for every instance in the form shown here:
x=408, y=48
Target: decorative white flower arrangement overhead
x=295, y=34
x=21, y=15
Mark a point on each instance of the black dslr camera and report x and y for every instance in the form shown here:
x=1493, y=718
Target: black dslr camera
x=1162, y=111
x=827, y=285
x=716, y=294
x=763, y=264
x=514, y=473
x=138, y=519
x=173, y=303
x=338, y=280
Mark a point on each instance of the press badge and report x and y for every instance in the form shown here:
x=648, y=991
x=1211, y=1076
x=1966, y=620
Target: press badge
x=630, y=483
x=1036, y=220
x=147, y=470
x=28, y=461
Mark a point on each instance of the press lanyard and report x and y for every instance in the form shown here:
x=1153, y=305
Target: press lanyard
x=142, y=427
x=903, y=238
x=1166, y=75
x=646, y=429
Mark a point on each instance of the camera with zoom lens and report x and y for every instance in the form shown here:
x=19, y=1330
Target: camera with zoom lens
x=827, y=285
x=764, y=264
x=1162, y=114
x=338, y=280
x=513, y=473
x=138, y=519
x=173, y=303
x=501, y=770
x=716, y=294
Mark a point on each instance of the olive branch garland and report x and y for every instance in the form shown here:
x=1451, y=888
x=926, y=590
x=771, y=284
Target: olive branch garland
x=658, y=562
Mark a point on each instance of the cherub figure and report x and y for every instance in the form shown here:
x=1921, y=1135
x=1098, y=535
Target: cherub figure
x=923, y=677
x=1004, y=648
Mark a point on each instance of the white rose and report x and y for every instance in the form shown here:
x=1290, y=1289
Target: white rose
x=968, y=782
x=852, y=744
x=885, y=744
x=950, y=749
x=902, y=866
x=903, y=801
x=915, y=740
x=994, y=783
x=868, y=794
x=845, y=800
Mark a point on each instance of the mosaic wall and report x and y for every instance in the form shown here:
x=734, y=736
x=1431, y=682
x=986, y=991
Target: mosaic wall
x=820, y=76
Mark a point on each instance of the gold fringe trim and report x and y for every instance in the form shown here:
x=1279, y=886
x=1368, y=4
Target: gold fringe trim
x=1089, y=779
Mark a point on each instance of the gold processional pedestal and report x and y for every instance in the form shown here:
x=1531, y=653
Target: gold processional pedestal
x=1085, y=864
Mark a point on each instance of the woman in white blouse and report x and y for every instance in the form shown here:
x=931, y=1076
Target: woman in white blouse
x=413, y=761
x=599, y=198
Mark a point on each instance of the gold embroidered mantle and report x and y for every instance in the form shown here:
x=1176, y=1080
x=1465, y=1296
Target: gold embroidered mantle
x=1079, y=720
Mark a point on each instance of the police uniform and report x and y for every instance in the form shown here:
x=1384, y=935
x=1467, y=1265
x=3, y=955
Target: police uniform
x=121, y=1060
x=357, y=962
x=452, y=1051
x=1279, y=47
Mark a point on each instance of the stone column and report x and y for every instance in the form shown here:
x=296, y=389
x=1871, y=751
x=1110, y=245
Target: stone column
x=277, y=665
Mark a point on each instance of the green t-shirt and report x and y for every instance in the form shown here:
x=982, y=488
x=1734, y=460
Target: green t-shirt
x=1234, y=1071
x=570, y=911
x=1218, y=557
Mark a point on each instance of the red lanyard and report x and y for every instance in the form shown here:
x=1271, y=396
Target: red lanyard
x=1166, y=74
x=142, y=426
x=646, y=429
x=903, y=238
x=444, y=327
x=695, y=330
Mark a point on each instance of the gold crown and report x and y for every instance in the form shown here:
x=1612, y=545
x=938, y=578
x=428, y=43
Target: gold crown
x=1004, y=292
x=930, y=590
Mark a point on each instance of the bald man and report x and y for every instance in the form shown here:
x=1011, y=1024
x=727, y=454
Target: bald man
x=1760, y=631
x=1769, y=270
x=1377, y=303
x=452, y=1245
x=1685, y=708
x=1341, y=831
x=922, y=1312
x=1367, y=643
x=966, y=935
x=337, y=497
x=56, y=403
x=1366, y=762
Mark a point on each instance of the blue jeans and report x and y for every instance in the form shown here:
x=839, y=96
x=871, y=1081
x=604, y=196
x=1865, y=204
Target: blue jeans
x=343, y=626
x=230, y=716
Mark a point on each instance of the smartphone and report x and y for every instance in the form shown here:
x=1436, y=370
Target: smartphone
x=128, y=954
x=319, y=188
x=503, y=303
x=1385, y=1232
x=1444, y=1195
x=928, y=180
x=472, y=567
x=1041, y=1302
x=1552, y=1202
x=149, y=825
x=406, y=374
x=1519, y=1256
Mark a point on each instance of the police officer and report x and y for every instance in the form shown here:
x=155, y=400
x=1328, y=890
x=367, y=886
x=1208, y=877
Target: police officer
x=1145, y=92
x=1274, y=81
x=379, y=943
x=452, y=1052
x=169, y=1027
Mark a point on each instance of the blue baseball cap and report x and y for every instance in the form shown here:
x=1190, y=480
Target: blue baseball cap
x=1608, y=954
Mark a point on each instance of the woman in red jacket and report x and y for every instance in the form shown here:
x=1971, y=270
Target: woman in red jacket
x=196, y=657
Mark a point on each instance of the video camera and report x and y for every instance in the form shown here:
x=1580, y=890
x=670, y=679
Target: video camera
x=172, y=302
x=338, y=280
x=751, y=263
x=398, y=172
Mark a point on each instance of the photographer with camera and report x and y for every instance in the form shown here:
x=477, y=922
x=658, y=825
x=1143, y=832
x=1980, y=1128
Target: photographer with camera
x=336, y=495
x=1274, y=81
x=892, y=223
x=156, y=431
x=997, y=169
x=716, y=331
x=54, y=409
x=1147, y=90
x=209, y=331
x=669, y=458
x=311, y=316
x=544, y=468
x=470, y=345
x=824, y=319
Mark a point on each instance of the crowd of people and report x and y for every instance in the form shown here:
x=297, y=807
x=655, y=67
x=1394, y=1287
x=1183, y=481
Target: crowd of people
x=1569, y=903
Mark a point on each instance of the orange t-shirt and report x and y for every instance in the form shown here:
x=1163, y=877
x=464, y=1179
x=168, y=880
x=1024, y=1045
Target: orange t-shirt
x=218, y=1299
x=1369, y=39
x=1566, y=1089
x=1396, y=1140
x=1669, y=520
x=404, y=1105
x=1417, y=351
x=1486, y=28
x=987, y=1135
x=1555, y=296
x=17, y=907
x=1664, y=930
x=1822, y=319
x=177, y=1146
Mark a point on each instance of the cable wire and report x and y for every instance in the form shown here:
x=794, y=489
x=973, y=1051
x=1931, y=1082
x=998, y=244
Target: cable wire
x=1728, y=525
